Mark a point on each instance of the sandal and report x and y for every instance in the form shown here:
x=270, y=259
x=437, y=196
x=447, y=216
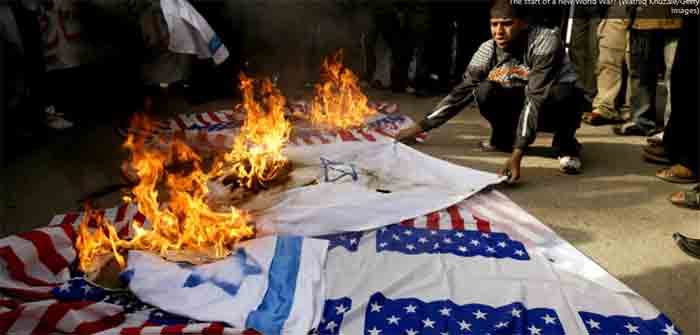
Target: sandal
x=596, y=119
x=630, y=129
x=691, y=199
x=688, y=245
x=678, y=174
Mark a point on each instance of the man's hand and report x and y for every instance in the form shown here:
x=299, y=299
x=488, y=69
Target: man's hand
x=512, y=167
x=408, y=135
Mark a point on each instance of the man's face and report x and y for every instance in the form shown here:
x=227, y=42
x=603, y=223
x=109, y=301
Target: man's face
x=506, y=30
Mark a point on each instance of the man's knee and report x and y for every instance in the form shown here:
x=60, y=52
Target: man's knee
x=485, y=92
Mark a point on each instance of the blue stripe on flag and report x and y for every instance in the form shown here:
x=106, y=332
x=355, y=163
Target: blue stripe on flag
x=597, y=324
x=464, y=243
x=412, y=316
x=274, y=310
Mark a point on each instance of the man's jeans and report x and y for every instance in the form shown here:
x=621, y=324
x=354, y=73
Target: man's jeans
x=648, y=50
x=613, y=69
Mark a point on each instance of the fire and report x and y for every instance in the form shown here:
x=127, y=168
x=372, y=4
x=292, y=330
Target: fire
x=339, y=101
x=256, y=157
x=175, y=203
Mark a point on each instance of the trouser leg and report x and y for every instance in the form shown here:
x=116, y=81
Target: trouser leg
x=501, y=107
x=644, y=59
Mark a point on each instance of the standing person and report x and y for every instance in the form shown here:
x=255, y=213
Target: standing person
x=653, y=41
x=523, y=82
x=613, y=70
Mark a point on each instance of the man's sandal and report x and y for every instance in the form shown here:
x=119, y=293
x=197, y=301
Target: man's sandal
x=690, y=199
x=678, y=174
x=688, y=245
x=596, y=119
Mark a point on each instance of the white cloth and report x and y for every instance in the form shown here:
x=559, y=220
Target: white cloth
x=190, y=33
x=353, y=197
x=273, y=284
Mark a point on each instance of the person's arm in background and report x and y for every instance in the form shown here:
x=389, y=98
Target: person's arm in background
x=547, y=59
x=460, y=96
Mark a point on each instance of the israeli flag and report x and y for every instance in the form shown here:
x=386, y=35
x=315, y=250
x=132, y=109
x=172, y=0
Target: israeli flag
x=273, y=285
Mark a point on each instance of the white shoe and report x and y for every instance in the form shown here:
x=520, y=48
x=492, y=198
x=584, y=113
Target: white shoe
x=570, y=164
x=55, y=120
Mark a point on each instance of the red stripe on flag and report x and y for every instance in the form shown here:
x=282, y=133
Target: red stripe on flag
x=69, y=231
x=172, y=330
x=15, y=267
x=230, y=116
x=70, y=218
x=46, y=250
x=433, y=221
x=139, y=217
x=121, y=213
x=382, y=131
x=7, y=303
x=87, y=328
x=54, y=313
x=30, y=295
x=367, y=135
x=250, y=332
x=202, y=120
x=482, y=225
x=215, y=328
x=456, y=217
x=307, y=140
x=410, y=223
x=324, y=140
x=347, y=136
x=180, y=123
x=124, y=232
x=9, y=318
x=214, y=117
x=131, y=331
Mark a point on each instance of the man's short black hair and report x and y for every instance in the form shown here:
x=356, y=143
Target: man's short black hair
x=505, y=8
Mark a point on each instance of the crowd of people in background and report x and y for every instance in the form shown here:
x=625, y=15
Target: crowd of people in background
x=620, y=55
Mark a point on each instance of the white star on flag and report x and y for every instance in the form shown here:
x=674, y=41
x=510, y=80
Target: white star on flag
x=423, y=240
x=65, y=287
x=447, y=240
x=502, y=244
x=464, y=325
x=331, y=326
x=410, y=309
x=382, y=245
x=593, y=324
x=534, y=330
x=411, y=332
x=353, y=241
x=444, y=333
x=479, y=314
x=340, y=309
x=632, y=328
x=459, y=234
x=375, y=331
x=427, y=323
x=436, y=245
x=87, y=289
x=445, y=311
x=670, y=330
x=519, y=252
x=502, y=324
x=548, y=319
x=393, y=319
x=408, y=233
x=485, y=235
x=490, y=249
x=396, y=237
x=462, y=248
x=410, y=247
x=376, y=307
x=515, y=312
x=474, y=242
x=383, y=229
x=432, y=232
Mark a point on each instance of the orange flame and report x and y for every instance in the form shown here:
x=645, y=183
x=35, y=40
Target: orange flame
x=103, y=240
x=339, y=101
x=256, y=157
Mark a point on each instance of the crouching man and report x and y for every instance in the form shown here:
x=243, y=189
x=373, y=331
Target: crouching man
x=522, y=82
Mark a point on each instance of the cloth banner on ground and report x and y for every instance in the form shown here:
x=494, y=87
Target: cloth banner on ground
x=272, y=284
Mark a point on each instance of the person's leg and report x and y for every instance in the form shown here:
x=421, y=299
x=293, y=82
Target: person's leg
x=561, y=114
x=501, y=107
x=670, y=41
x=611, y=59
x=644, y=62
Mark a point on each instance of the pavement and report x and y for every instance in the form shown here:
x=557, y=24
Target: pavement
x=616, y=212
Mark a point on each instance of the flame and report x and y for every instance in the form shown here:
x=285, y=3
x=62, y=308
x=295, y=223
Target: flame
x=180, y=218
x=339, y=101
x=256, y=157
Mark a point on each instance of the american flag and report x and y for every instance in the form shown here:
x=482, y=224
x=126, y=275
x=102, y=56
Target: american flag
x=334, y=311
x=350, y=241
x=411, y=316
x=597, y=324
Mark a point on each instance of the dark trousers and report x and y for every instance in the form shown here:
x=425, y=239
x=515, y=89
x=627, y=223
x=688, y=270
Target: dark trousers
x=682, y=135
x=502, y=106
